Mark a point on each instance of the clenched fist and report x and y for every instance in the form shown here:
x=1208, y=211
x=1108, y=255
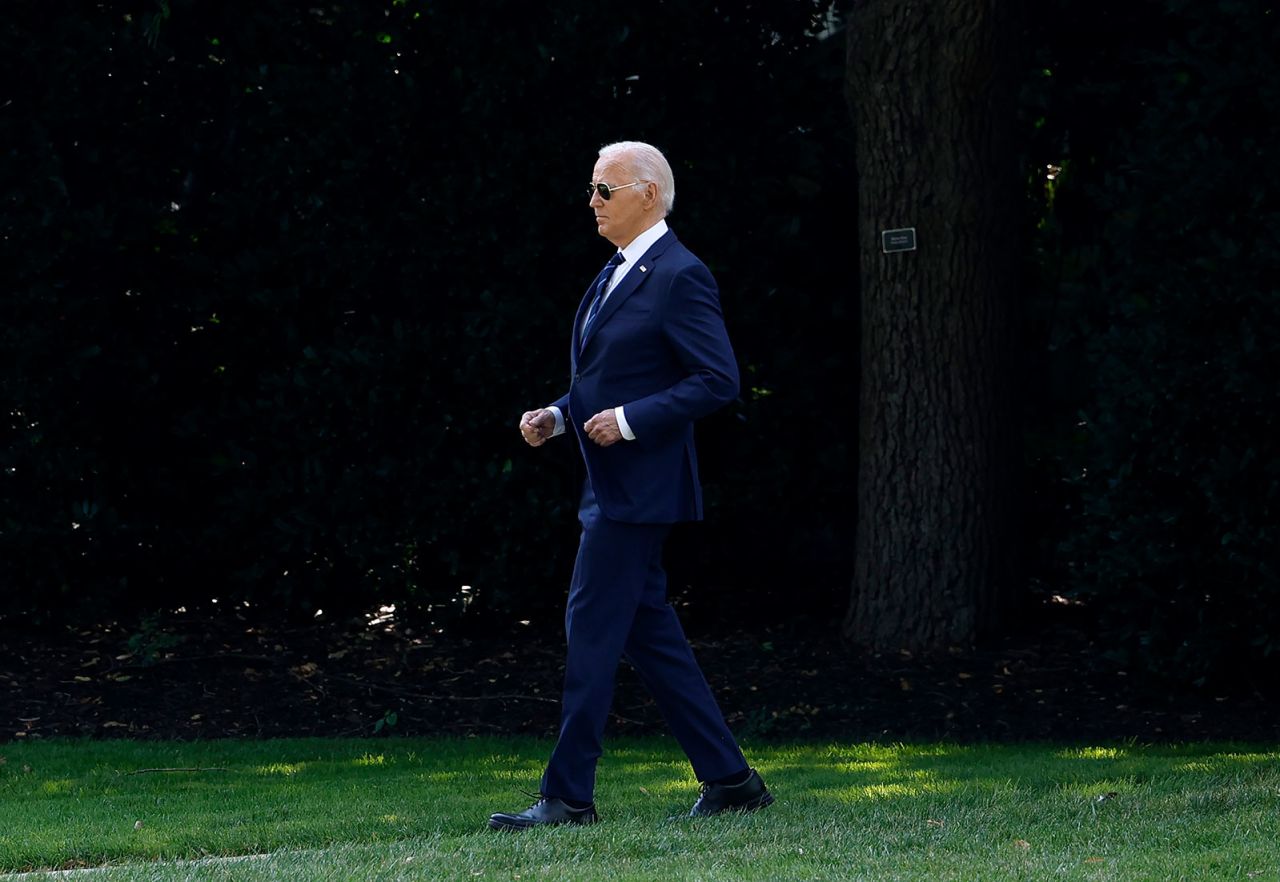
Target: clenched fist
x=536, y=426
x=603, y=428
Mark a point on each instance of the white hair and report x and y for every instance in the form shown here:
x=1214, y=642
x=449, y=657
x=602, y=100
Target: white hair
x=648, y=164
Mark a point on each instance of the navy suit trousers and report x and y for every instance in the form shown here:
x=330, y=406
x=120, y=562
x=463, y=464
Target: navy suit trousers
x=618, y=609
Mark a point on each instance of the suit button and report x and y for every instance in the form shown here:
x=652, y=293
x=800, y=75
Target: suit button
x=577, y=378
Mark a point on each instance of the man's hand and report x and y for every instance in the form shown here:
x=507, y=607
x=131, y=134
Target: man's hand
x=603, y=428
x=536, y=426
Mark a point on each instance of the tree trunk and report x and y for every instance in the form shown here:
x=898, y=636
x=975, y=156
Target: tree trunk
x=935, y=124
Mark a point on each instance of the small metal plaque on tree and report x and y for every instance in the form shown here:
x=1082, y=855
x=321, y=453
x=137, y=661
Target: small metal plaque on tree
x=898, y=240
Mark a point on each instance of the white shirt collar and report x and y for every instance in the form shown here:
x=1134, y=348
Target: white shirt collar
x=642, y=243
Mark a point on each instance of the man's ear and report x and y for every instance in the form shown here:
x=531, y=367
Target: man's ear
x=651, y=193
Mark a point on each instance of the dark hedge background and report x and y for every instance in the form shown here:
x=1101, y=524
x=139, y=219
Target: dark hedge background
x=279, y=280
x=286, y=279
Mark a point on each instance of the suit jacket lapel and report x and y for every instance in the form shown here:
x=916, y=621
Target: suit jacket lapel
x=576, y=346
x=634, y=279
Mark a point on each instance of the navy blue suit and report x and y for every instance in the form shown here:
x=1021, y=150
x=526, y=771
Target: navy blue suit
x=658, y=347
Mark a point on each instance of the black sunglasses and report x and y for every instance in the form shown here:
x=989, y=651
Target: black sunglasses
x=606, y=191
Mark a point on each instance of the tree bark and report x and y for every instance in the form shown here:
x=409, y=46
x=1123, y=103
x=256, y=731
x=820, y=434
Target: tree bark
x=935, y=125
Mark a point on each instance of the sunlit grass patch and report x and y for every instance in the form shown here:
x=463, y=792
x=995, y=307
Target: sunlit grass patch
x=416, y=809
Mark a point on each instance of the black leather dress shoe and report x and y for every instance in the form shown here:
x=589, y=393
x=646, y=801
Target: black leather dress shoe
x=544, y=812
x=748, y=796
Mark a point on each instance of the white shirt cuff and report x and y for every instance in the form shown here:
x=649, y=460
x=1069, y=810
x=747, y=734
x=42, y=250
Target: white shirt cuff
x=623, y=427
x=555, y=412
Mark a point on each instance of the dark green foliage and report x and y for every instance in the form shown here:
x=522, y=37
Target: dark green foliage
x=280, y=279
x=1162, y=250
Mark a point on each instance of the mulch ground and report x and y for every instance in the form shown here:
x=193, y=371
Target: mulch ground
x=226, y=675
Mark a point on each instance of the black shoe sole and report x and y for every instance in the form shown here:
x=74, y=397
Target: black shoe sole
x=763, y=801
x=512, y=827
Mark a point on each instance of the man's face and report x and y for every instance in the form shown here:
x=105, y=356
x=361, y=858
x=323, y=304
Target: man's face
x=627, y=213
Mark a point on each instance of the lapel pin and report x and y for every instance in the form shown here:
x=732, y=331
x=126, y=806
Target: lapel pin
x=643, y=268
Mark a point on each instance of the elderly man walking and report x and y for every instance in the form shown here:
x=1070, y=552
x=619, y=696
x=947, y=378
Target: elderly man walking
x=649, y=354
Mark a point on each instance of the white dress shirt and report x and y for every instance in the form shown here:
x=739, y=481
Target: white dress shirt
x=630, y=257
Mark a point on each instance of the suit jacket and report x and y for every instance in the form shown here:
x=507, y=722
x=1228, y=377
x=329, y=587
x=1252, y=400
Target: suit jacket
x=659, y=348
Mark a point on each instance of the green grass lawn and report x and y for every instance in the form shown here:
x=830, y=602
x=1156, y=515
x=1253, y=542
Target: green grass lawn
x=416, y=809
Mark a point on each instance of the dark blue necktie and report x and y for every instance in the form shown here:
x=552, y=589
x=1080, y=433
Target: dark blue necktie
x=602, y=285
